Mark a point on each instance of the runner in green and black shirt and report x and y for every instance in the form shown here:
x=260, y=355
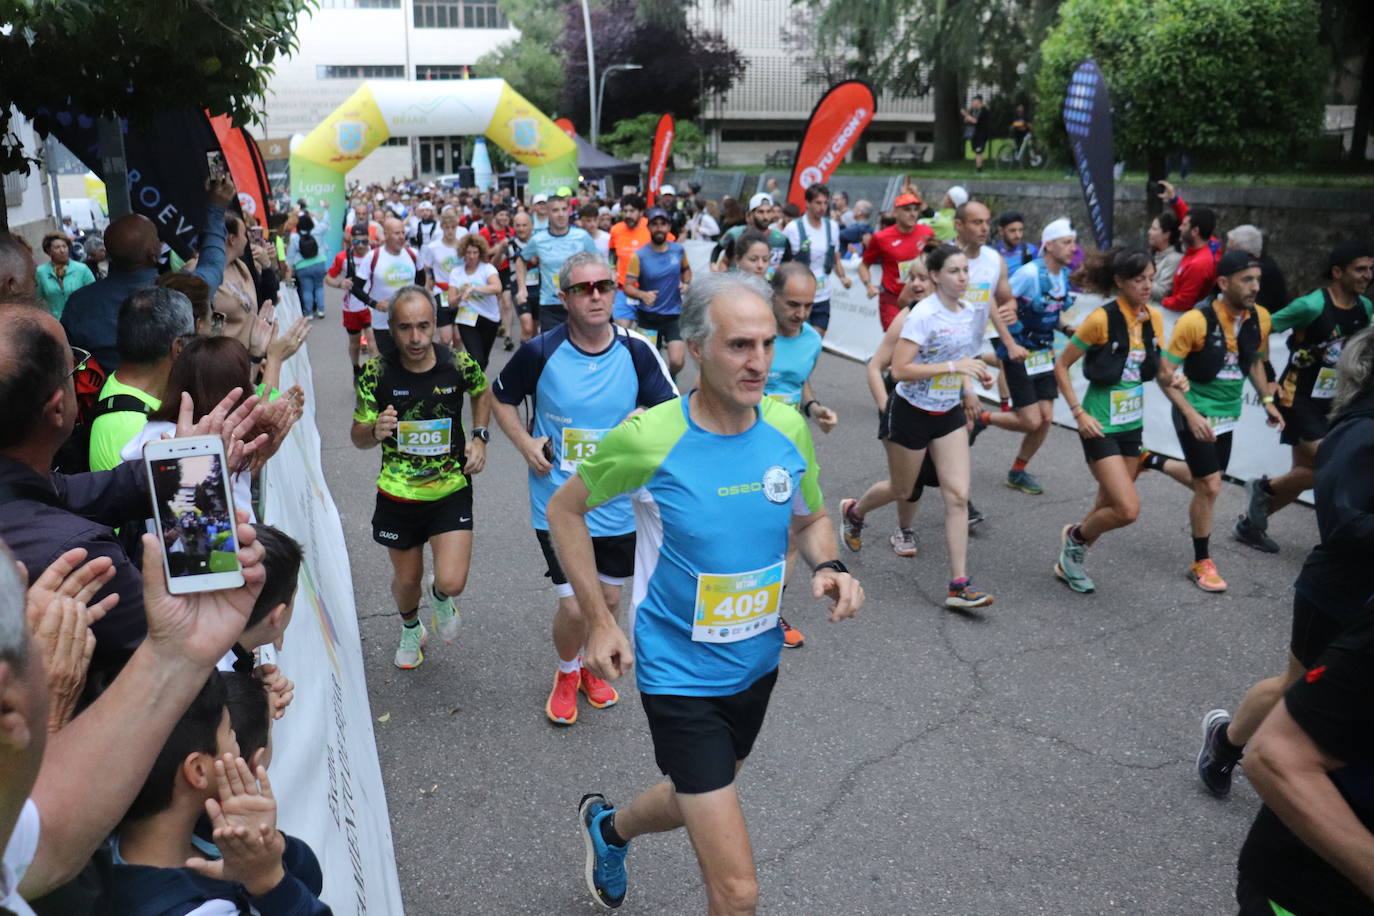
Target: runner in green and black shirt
x=410, y=401
x=1322, y=322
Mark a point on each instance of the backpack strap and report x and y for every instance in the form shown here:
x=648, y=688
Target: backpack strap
x=118, y=403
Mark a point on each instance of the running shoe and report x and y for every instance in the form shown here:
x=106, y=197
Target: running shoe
x=561, y=706
x=1257, y=512
x=599, y=693
x=978, y=427
x=605, y=870
x=974, y=516
x=851, y=528
x=445, y=618
x=1023, y=481
x=904, y=543
x=509, y=344
x=1204, y=574
x=1215, y=762
x=964, y=597
x=791, y=638
x=410, y=654
x=319, y=315
x=1140, y=461
x=1251, y=535
x=1070, y=565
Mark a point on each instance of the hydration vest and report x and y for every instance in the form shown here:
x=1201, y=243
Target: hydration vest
x=1205, y=364
x=1038, y=325
x=1105, y=365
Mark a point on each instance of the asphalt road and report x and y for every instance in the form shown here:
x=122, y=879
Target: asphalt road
x=1037, y=758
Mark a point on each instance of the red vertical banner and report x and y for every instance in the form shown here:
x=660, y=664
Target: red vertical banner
x=836, y=124
x=566, y=126
x=658, y=160
x=245, y=167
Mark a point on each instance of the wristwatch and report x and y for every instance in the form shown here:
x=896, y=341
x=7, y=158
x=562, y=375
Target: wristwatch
x=481, y=432
x=830, y=564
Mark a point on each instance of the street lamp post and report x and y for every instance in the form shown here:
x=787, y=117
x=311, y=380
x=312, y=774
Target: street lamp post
x=601, y=95
x=591, y=68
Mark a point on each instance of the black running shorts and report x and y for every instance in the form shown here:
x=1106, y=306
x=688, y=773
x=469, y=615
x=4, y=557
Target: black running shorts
x=1126, y=444
x=403, y=525
x=1203, y=458
x=914, y=428
x=667, y=327
x=699, y=740
x=1027, y=390
x=615, y=556
x=1303, y=423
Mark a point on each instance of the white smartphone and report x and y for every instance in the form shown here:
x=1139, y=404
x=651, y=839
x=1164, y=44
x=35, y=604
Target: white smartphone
x=193, y=513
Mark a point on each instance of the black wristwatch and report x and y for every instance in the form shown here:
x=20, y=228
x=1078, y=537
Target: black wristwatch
x=830, y=564
x=481, y=432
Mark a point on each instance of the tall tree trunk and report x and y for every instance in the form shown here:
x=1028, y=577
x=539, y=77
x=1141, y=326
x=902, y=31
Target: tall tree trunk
x=1157, y=169
x=949, y=127
x=1364, y=108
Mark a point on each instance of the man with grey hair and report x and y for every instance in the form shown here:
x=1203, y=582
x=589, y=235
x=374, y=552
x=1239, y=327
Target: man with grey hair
x=62, y=793
x=582, y=378
x=154, y=324
x=724, y=480
x=1273, y=293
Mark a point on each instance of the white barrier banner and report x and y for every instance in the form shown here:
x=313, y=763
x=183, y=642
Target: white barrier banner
x=325, y=771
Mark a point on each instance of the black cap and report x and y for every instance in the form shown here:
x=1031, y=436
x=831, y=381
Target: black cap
x=359, y=231
x=1346, y=252
x=1234, y=261
x=1006, y=219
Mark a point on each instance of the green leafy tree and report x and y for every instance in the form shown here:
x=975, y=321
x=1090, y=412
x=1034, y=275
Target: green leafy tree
x=1239, y=82
x=908, y=48
x=527, y=63
x=635, y=137
x=132, y=58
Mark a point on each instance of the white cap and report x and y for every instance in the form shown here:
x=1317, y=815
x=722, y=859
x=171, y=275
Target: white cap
x=425, y=205
x=759, y=199
x=541, y=198
x=957, y=195
x=1058, y=229
x=604, y=211
x=667, y=189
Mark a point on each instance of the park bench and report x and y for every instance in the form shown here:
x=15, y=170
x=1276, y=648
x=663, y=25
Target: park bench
x=904, y=155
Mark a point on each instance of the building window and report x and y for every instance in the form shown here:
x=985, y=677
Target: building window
x=396, y=141
x=360, y=4
x=458, y=14
x=439, y=71
x=360, y=71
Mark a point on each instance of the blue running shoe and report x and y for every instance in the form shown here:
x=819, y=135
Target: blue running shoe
x=605, y=863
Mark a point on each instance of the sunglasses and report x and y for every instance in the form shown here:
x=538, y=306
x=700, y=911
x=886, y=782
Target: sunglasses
x=604, y=287
x=79, y=359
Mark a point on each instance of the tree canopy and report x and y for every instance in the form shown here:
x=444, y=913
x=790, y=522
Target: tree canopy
x=635, y=137
x=134, y=57
x=1237, y=81
x=527, y=63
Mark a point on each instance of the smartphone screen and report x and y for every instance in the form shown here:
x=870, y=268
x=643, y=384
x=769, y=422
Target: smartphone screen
x=193, y=513
x=217, y=164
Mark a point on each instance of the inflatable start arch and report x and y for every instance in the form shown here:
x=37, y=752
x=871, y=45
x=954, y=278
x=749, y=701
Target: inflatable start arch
x=391, y=108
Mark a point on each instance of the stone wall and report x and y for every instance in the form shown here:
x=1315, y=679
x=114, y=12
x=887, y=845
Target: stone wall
x=1300, y=225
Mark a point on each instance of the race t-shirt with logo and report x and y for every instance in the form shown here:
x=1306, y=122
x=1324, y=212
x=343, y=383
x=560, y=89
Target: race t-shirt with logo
x=713, y=514
x=1038, y=309
x=382, y=274
x=531, y=273
x=340, y=267
x=660, y=272
x=896, y=251
x=552, y=250
x=1120, y=407
x=1220, y=398
x=793, y=359
x=442, y=259
x=625, y=241
x=423, y=460
x=983, y=273
x=485, y=305
x=816, y=235
x=941, y=336
x=1309, y=379
x=779, y=248
x=578, y=397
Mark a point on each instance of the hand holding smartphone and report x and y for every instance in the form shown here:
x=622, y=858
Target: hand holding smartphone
x=193, y=511
x=217, y=165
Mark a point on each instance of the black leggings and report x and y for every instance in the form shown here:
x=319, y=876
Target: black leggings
x=478, y=339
